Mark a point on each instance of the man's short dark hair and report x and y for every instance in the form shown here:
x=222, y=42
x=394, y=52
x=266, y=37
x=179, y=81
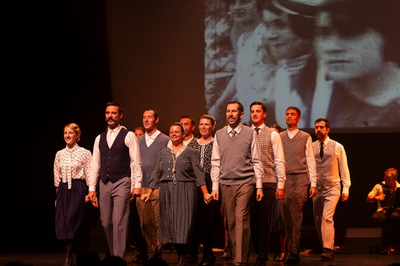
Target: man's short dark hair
x=191, y=119
x=392, y=172
x=154, y=111
x=115, y=104
x=140, y=128
x=263, y=107
x=240, y=108
x=294, y=108
x=327, y=125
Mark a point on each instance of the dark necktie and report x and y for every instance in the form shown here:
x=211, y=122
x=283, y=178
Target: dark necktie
x=233, y=132
x=321, y=150
x=257, y=129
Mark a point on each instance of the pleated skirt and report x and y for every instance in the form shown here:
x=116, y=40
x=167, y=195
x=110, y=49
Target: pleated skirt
x=70, y=209
x=177, y=212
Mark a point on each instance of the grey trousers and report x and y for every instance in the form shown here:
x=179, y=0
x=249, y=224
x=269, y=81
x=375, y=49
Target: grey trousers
x=149, y=221
x=114, y=214
x=324, y=206
x=292, y=209
x=236, y=205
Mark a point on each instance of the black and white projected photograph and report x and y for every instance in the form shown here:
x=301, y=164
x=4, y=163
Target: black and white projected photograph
x=335, y=59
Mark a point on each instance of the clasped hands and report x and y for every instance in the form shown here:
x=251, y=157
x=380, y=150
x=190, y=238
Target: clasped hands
x=207, y=197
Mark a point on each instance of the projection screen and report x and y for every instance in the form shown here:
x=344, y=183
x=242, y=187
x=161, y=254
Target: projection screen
x=336, y=59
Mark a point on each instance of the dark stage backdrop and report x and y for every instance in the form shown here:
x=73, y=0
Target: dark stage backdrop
x=144, y=54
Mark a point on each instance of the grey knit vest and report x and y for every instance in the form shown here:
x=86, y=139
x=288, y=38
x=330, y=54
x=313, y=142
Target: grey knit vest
x=295, y=152
x=235, y=165
x=149, y=155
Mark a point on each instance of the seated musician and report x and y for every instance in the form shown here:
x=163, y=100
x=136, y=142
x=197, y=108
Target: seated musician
x=387, y=195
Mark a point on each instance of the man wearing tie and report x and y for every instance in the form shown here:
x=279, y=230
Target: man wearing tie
x=116, y=159
x=236, y=165
x=331, y=160
x=273, y=160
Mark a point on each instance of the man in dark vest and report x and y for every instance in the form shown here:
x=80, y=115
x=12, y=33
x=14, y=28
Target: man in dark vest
x=273, y=160
x=236, y=165
x=331, y=161
x=150, y=144
x=300, y=171
x=116, y=159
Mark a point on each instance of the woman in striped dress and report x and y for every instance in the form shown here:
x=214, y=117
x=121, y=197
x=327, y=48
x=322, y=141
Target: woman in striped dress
x=177, y=172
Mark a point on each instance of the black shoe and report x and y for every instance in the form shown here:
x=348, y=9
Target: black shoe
x=260, y=262
x=327, y=255
x=206, y=261
x=192, y=259
x=139, y=258
x=293, y=259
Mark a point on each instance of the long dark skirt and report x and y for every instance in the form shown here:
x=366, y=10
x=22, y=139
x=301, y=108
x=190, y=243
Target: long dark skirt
x=70, y=209
x=177, y=211
x=208, y=220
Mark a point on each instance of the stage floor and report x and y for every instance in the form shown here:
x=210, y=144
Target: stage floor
x=307, y=259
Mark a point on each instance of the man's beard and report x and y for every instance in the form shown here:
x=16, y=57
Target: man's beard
x=320, y=136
